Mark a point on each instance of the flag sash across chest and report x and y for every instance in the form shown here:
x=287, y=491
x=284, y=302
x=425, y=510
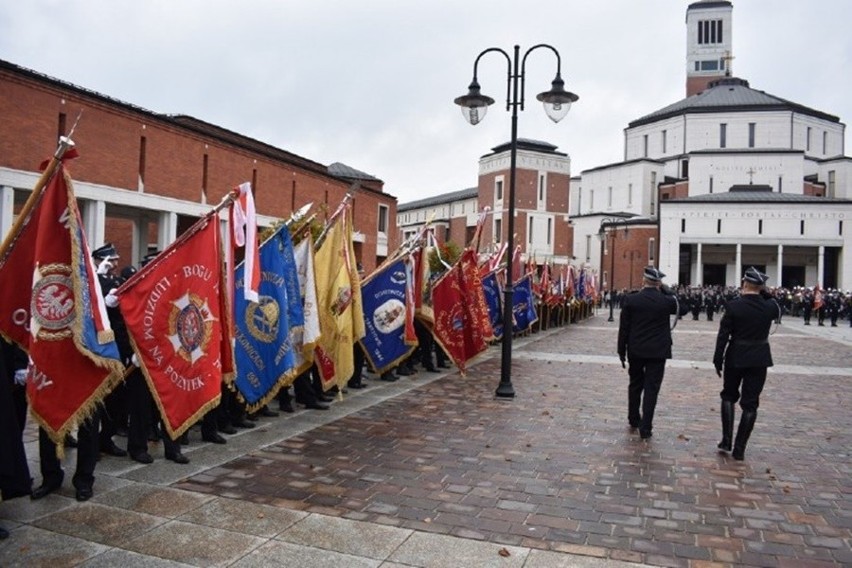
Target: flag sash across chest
x=60, y=320
x=264, y=351
x=177, y=317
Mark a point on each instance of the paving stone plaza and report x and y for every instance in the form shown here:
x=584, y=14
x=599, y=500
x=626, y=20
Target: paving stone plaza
x=432, y=470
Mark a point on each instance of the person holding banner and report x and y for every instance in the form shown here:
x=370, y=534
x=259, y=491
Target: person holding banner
x=14, y=472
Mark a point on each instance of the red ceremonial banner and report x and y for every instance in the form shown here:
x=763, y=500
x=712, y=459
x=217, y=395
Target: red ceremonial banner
x=462, y=325
x=51, y=307
x=177, y=319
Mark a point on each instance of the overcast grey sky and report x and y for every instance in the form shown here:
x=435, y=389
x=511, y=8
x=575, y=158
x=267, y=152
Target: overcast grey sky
x=371, y=83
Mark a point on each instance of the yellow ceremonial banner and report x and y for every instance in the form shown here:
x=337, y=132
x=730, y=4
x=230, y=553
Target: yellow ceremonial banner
x=341, y=311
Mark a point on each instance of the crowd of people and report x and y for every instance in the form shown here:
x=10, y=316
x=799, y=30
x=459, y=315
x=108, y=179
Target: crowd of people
x=129, y=412
x=829, y=307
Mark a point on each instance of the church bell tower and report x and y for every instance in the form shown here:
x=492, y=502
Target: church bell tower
x=708, y=43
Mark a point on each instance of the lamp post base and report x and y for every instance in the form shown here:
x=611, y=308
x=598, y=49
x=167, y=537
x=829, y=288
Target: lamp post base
x=505, y=390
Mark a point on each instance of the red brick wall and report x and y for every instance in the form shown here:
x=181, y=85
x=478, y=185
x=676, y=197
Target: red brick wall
x=815, y=189
x=108, y=138
x=628, y=273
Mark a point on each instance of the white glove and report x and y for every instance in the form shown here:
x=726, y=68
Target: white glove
x=134, y=360
x=111, y=300
x=104, y=267
x=21, y=377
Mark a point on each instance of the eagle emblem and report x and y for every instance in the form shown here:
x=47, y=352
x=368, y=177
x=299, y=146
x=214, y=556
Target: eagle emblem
x=52, y=302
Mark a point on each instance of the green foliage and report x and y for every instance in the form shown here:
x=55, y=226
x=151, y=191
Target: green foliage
x=450, y=253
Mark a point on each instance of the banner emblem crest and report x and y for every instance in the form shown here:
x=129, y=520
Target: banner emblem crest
x=262, y=319
x=52, y=305
x=190, y=326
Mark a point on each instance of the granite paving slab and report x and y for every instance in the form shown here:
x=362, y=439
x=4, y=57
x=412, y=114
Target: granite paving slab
x=98, y=523
x=346, y=536
x=244, y=517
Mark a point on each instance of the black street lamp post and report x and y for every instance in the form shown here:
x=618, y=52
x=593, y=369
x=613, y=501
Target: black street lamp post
x=557, y=102
x=608, y=226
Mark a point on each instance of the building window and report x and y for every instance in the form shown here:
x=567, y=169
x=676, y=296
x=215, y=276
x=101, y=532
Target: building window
x=588, y=248
x=718, y=226
x=383, y=218
x=711, y=184
x=780, y=184
x=629, y=194
x=143, y=144
x=684, y=169
x=709, y=31
x=591, y=200
x=609, y=197
x=824, y=142
x=808, y=140
x=498, y=230
x=61, y=125
x=801, y=227
x=653, y=193
x=652, y=250
x=549, y=229
x=530, y=239
x=645, y=146
x=751, y=128
x=723, y=135
x=840, y=228
x=579, y=200
x=541, y=185
x=710, y=65
x=760, y=226
x=831, y=183
x=683, y=225
x=498, y=189
x=664, y=141
x=204, y=165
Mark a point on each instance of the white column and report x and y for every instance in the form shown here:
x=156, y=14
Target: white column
x=780, y=264
x=820, y=264
x=737, y=265
x=699, y=266
x=166, y=229
x=94, y=222
x=7, y=209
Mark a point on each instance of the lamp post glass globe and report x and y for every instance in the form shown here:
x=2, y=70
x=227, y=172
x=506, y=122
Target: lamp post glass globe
x=557, y=101
x=474, y=104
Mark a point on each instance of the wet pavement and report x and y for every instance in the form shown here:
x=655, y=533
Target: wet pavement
x=432, y=470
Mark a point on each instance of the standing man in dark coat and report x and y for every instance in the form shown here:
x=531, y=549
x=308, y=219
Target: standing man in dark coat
x=15, y=478
x=645, y=341
x=742, y=352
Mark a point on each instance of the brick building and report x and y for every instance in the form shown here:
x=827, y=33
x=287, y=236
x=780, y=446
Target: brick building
x=143, y=177
x=542, y=185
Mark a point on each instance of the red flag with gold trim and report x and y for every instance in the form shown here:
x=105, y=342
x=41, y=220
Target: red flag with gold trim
x=177, y=316
x=60, y=320
x=462, y=325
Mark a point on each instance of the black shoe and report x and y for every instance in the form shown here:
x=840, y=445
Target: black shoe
x=242, y=423
x=645, y=434
x=177, y=458
x=84, y=493
x=250, y=417
x=228, y=429
x=389, y=377
x=121, y=432
x=747, y=421
x=142, y=457
x=727, y=413
x=286, y=406
x=70, y=441
x=4, y=534
x=325, y=398
x=267, y=412
x=45, y=489
x=214, y=438
x=112, y=450
x=317, y=405
x=356, y=385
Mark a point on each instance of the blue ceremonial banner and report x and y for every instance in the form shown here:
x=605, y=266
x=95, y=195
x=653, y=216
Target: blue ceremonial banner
x=523, y=305
x=383, y=295
x=581, y=285
x=263, y=352
x=491, y=291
